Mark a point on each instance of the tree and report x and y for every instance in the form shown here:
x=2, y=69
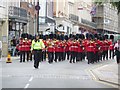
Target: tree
x=115, y=3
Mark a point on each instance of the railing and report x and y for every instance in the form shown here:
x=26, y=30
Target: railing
x=88, y=23
x=16, y=11
x=73, y=17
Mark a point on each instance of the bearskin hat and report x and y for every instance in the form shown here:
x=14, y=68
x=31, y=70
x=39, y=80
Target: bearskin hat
x=111, y=37
x=106, y=36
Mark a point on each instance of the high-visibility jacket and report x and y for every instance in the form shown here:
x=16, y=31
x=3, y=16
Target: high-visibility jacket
x=37, y=45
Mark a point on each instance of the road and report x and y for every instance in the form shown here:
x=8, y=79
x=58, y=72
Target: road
x=57, y=75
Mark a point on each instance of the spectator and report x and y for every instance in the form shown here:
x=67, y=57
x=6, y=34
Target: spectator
x=117, y=51
x=0, y=49
x=13, y=45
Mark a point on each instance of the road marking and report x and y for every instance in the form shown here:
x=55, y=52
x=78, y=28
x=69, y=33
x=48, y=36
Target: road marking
x=94, y=78
x=27, y=85
x=30, y=79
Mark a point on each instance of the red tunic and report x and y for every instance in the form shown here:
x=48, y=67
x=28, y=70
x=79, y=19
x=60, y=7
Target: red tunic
x=90, y=47
x=50, y=49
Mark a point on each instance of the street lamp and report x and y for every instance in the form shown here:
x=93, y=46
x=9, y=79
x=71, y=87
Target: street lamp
x=37, y=7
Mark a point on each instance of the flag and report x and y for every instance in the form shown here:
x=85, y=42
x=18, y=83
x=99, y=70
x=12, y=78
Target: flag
x=93, y=10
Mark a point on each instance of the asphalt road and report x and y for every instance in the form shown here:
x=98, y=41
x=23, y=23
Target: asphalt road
x=56, y=75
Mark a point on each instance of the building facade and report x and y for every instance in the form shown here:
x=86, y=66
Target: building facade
x=74, y=15
x=106, y=18
x=46, y=20
x=30, y=27
x=4, y=26
x=13, y=20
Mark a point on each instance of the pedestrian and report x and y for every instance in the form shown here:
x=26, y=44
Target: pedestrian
x=117, y=51
x=37, y=47
x=13, y=45
x=0, y=49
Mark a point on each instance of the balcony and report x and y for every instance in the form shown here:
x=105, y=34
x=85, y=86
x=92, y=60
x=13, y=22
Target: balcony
x=84, y=21
x=74, y=17
x=17, y=13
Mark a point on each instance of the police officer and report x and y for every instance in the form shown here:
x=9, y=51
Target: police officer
x=36, y=47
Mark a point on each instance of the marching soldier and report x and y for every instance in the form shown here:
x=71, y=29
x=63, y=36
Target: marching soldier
x=23, y=46
x=21, y=50
x=73, y=50
x=67, y=52
x=90, y=51
x=79, y=50
x=111, y=47
x=50, y=51
x=96, y=50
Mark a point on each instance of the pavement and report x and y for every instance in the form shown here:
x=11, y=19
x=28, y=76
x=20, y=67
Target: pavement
x=107, y=73
x=58, y=75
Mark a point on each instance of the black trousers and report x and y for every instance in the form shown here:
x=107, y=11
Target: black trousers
x=67, y=54
x=29, y=55
x=96, y=57
x=56, y=56
x=50, y=57
x=22, y=56
x=111, y=54
x=90, y=57
x=105, y=55
x=37, y=57
x=61, y=56
x=79, y=56
x=83, y=55
x=100, y=55
x=73, y=56
x=44, y=55
x=118, y=59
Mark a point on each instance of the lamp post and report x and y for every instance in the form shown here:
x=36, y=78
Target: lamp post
x=37, y=7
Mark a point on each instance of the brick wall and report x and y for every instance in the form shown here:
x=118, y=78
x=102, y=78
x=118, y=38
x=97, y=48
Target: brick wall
x=31, y=16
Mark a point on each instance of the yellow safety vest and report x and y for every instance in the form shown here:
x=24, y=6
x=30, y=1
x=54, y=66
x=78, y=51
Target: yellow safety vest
x=37, y=45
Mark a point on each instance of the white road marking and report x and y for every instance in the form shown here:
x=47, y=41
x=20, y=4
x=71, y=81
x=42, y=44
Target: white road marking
x=93, y=75
x=27, y=85
x=30, y=79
